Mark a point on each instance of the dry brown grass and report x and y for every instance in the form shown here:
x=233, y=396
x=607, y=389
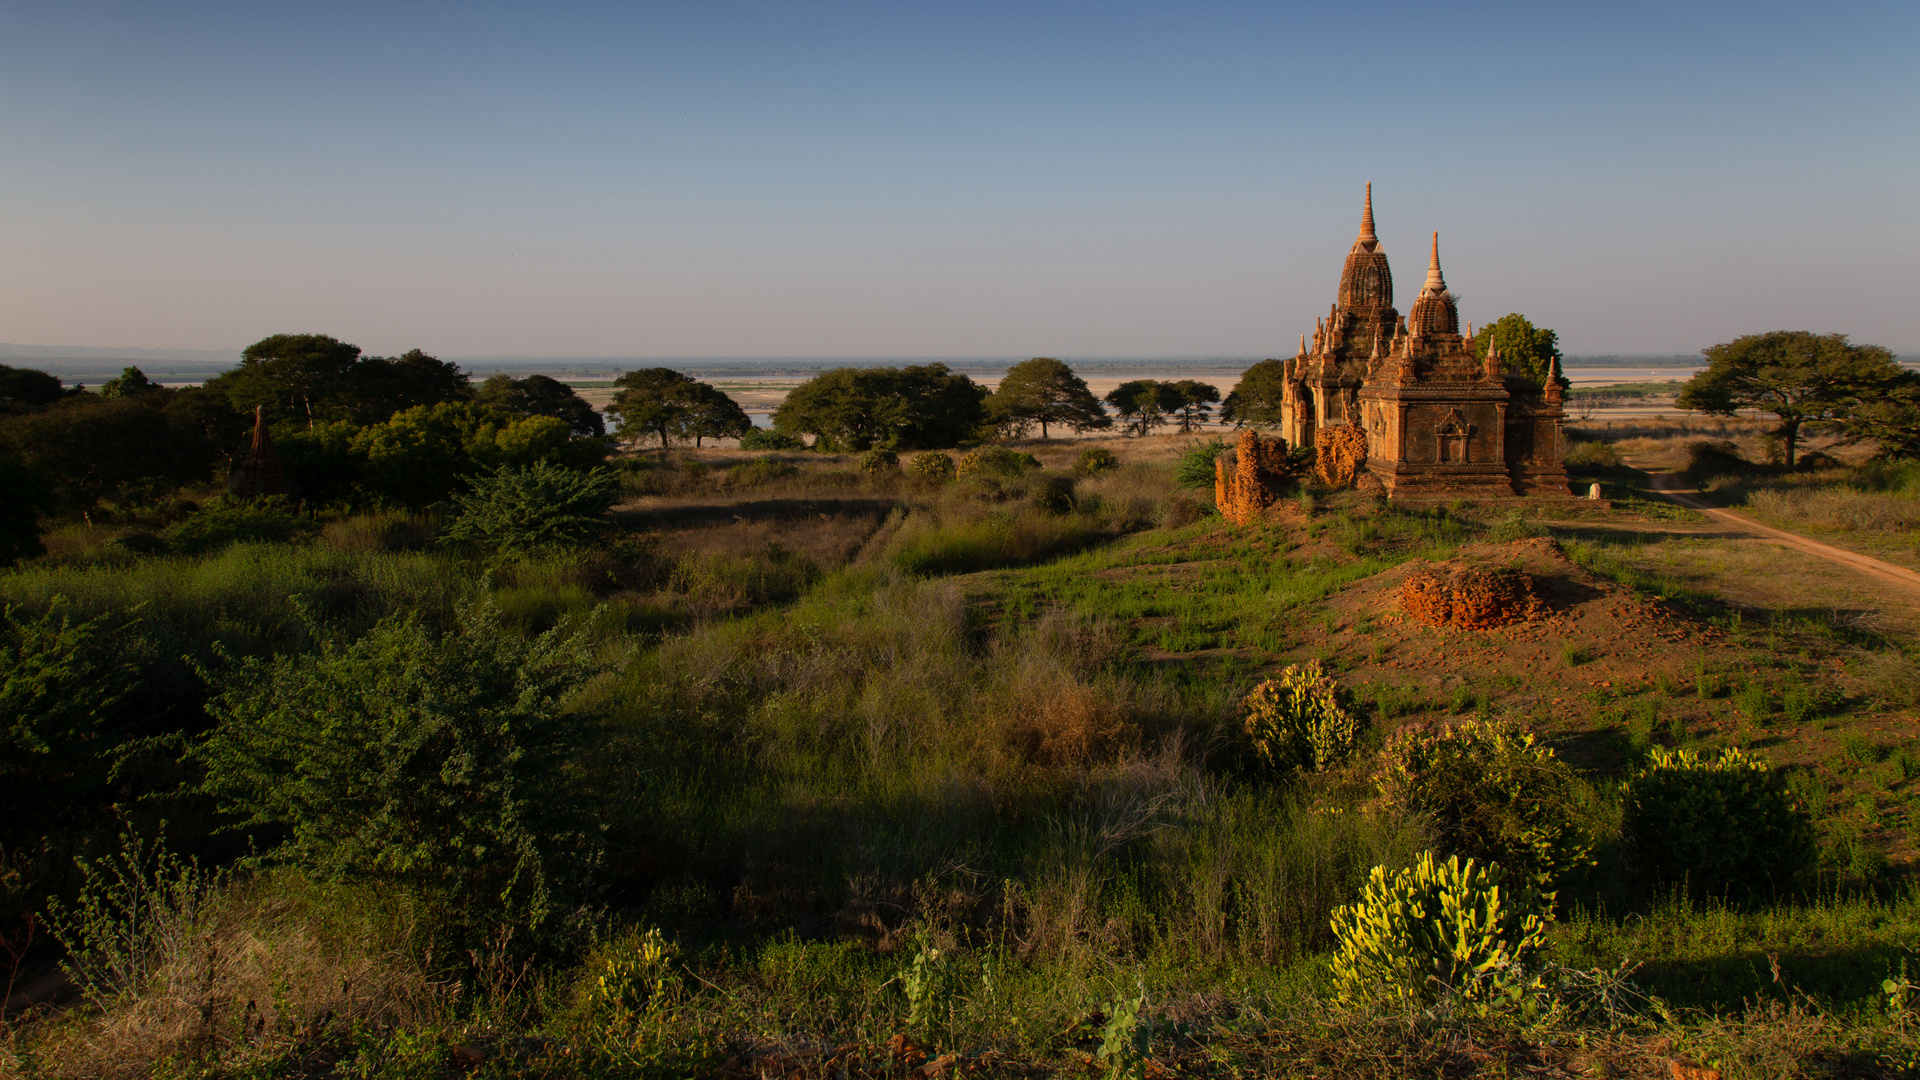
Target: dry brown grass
x=1838, y=507
x=257, y=969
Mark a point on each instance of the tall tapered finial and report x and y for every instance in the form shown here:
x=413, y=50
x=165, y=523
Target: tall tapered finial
x=1368, y=240
x=1435, y=283
x=1303, y=347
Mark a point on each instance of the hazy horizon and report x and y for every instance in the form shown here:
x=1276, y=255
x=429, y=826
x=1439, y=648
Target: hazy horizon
x=855, y=179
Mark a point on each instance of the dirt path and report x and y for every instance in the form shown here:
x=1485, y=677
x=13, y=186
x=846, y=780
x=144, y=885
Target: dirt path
x=1909, y=581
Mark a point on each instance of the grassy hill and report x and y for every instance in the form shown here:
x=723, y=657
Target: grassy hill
x=891, y=776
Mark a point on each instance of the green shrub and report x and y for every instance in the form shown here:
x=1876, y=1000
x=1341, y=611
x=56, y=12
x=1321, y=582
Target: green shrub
x=994, y=461
x=934, y=465
x=441, y=763
x=1441, y=930
x=1592, y=455
x=232, y=521
x=1859, y=748
x=1095, y=460
x=874, y=462
x=1513, y=526
x=1195, y=467
x=1754, y=703
x=1493, y=792
x=1798, y=706
x=768, y=439
x=1718, y=824
x=1295, y=722
x=539, y=507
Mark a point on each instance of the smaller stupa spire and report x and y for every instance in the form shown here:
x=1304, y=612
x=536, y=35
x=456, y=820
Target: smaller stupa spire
x=1368, y=238
x=1303, y=348
x=1435, y=283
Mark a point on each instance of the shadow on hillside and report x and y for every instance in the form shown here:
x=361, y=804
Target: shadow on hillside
x=696, y=515
x=1726, y=983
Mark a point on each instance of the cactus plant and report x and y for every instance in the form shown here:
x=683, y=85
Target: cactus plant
x=1438, y=930
x=1295, y=722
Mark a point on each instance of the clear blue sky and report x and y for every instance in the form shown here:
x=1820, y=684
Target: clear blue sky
x=734, y=179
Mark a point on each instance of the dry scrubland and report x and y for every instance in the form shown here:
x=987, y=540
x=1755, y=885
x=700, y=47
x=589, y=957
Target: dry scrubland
x=907, y=776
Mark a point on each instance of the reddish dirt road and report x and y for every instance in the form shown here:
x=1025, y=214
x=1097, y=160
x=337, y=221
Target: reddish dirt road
x=1907, y=580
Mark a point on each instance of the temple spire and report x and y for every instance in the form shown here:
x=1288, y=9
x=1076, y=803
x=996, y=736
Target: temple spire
x=1435, y=283
x=1303, y=347
x=1368, y=239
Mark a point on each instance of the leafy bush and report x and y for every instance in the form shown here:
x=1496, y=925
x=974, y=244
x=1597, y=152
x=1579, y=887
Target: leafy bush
x=1514, y=526
x=1095, y=460
x=768, y=439
x=60, y=679
x=1195, y=467
x=1718, y=824
x=1592, y=455
x=934, y=465
x=1715, y=458
x=542, y=506
x=232, y=521
x=879, y=461
x=1492, y=791
x=438, y=762
x=994, y=461
x=1295, y=722
x=1437, y=930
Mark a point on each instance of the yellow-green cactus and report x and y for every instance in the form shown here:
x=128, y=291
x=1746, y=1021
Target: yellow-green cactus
x=1295, y=722
x=1441, y=929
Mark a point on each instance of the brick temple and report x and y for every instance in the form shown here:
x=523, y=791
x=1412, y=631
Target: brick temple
x=1438, y=423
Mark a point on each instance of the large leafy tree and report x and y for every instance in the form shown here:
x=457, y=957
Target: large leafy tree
x=311, y=379
x=425, y=454
x=1531, y=353
x=443, y=763
x=539, y=395
x=380, y=386
x=88, y=447
x=1256, y=399
x=26, y=389
x=664, y=402
x=1890, y=419
x=1143, y=404
x=1045, y=391
x=299, y=377
x=28, y=496
x=129, y=382
x=925, y=407
x=1194, y=402
x=1804, y=379
x=711, y=414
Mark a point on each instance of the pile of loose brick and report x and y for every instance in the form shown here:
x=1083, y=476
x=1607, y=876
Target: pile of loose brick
x=1339, y=453
x=1248, y=479
x=1468, y=598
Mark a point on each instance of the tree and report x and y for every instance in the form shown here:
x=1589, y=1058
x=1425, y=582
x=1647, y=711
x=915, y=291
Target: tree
x=378, y=386
x=538, y=395
x=663, y=402
x=1256, y=399
x=1193, y=402
x=131, y=381
x=28, y=496
x=294, y=376
x=25, y=390
x=1531, y=354
x=1045, y=391
x=711, y=414
x=443, y=763
x=1803, y=379
x=1891, y=419
x=88, y=447
x=1143, y=404
x=425, y=454
x=926, y=407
